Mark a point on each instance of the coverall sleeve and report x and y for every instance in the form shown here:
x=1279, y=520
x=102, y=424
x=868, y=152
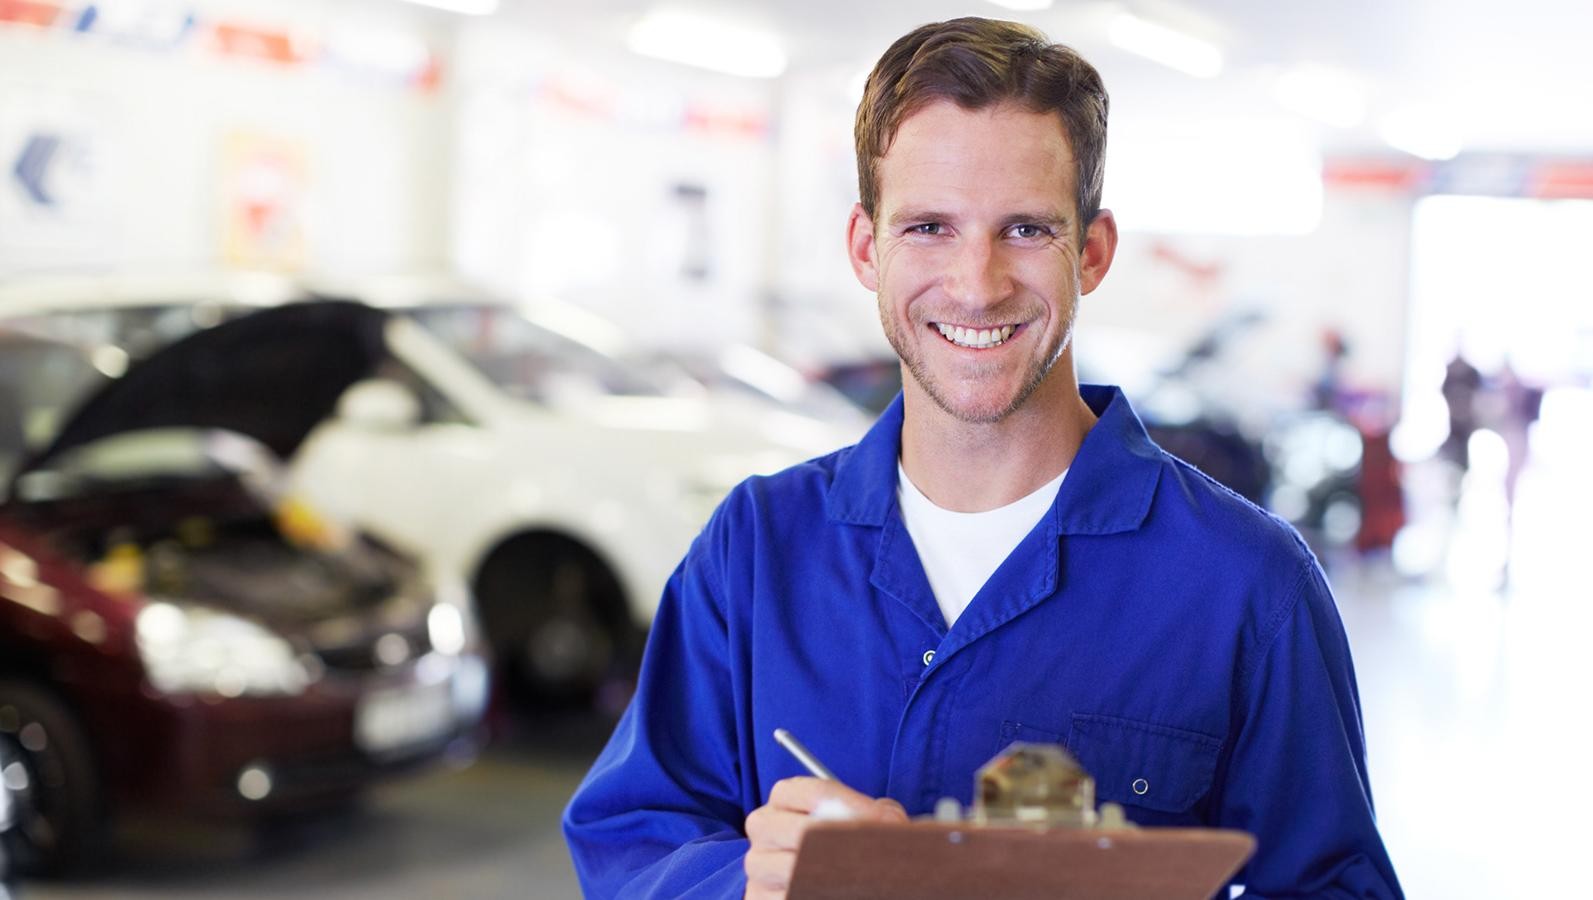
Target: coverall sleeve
x=659, y=814
x=1297, y=778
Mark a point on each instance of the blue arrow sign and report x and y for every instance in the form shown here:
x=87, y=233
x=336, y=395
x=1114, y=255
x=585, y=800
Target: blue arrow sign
x=33, y=166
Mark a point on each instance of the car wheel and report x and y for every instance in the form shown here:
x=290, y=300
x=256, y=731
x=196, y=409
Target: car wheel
x=51, y=783
x=555, y=618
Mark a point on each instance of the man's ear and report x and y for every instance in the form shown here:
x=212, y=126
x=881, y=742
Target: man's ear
x=1100, y=246
x=860, y=247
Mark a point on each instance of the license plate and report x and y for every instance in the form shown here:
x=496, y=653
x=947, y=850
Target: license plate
x=394, y=718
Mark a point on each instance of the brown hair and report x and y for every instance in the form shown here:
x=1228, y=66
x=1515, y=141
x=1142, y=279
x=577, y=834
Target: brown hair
x=978, y=63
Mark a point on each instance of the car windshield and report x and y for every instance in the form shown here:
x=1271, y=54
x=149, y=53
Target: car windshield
x=158, y=455
x=528, y=360
x=41, y=382
x=138, y=329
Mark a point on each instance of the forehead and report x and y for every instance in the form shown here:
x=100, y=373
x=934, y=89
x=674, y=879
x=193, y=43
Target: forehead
x=1003, y=152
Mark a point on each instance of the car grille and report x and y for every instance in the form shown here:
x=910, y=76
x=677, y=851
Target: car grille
x=377, y=649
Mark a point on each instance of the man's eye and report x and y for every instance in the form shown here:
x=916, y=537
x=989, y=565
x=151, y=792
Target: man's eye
x=925, y=228
x=1029, y=231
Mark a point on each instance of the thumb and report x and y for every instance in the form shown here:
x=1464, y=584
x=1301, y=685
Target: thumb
x=888, y=810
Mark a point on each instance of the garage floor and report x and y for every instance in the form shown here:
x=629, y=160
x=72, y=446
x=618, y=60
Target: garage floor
x=490, y=830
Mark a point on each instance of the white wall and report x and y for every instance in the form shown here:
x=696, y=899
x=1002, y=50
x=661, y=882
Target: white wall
x=149, y=130
x=822, y=310
x=570, y=164
x=1351, y=274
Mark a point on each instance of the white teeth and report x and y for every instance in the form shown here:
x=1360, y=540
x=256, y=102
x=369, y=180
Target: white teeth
x=973, y=337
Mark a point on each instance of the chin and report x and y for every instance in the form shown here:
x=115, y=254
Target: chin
x=976, y=410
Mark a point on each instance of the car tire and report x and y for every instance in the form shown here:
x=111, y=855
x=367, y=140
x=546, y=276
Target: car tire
x=555, y=618
x=56, y=803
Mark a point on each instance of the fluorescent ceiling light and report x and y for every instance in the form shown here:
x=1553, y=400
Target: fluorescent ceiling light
x=1325, y=94
x=1419, y=135
x=464, y=7
x=1161, y=44
x=1024, y=5
x=708, y=43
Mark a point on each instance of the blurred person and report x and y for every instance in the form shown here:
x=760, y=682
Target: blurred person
x=1005, y=556
x=1509, y=406
x=1512, y=406
x=1461, y=383
x=1327, y=392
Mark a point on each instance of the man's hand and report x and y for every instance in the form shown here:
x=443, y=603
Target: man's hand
x=776, y=828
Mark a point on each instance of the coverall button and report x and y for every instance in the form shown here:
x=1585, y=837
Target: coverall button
x=1141, y=786
x=929, y=657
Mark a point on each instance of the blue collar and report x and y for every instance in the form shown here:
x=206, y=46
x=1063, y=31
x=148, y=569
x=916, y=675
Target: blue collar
x=1108, y=488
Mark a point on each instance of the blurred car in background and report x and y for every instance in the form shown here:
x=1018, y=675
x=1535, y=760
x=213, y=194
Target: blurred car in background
x=7, y=821
x=127, y=316
x=563, y=357
x=536, y=459
x=178, y=632
x=541, y=460
x=741, y=371
x=40, y=381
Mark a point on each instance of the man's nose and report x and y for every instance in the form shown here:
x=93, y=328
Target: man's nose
x=979, y=274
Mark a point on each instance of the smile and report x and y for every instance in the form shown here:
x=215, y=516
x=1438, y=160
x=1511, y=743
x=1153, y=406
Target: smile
x=977, y=338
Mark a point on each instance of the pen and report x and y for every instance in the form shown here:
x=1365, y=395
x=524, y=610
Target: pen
x=806, y=758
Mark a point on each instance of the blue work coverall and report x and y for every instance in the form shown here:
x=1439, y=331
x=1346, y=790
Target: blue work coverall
x=1181, y=642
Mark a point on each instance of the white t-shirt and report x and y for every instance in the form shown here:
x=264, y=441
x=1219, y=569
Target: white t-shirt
x=960, y=551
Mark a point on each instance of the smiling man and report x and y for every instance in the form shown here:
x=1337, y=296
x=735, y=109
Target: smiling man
x=1005, y=556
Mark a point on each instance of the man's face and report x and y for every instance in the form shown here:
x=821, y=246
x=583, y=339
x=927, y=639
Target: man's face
x=976, y=256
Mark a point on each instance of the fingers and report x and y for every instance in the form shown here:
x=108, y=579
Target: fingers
x=775, y=829
x=768, y=872
x=887, y=810
x=804, y=794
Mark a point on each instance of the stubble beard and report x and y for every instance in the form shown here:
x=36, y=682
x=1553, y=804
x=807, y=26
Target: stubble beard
x=1039, y=369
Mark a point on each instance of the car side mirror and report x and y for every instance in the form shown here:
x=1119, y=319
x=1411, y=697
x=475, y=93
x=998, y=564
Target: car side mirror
x=379, y=404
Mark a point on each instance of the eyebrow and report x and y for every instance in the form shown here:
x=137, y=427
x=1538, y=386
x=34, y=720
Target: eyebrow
x=1053, y=221
x=1057, y=222
x=914, y=216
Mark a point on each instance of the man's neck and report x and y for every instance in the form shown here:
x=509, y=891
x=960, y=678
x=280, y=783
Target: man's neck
x=974, y=467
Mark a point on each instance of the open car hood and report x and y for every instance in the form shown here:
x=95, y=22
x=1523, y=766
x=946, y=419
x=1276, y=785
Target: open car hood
x=272, y=375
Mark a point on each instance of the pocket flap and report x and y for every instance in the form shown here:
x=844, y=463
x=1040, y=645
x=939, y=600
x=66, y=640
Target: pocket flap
x=1141, y=764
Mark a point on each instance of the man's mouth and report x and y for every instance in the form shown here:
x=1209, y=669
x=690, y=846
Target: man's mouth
x=976, y=338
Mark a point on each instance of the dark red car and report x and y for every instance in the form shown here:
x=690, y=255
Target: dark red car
x=176, y=635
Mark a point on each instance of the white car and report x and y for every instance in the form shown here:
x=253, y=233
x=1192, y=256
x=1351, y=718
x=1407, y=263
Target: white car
x=562, y=482
x=564, y=511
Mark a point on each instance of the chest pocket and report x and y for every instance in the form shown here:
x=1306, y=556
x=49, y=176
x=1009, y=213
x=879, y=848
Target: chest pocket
x=1138, y=764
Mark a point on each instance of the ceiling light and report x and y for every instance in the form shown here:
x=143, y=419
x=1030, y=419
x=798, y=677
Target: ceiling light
x=1164, y=45
x=1024, y=5
x=708, y=43
x=463, y=7
x=1419, y=135
x=1325, y=94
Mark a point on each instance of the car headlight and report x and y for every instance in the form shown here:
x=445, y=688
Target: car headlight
x=192, y=649
x=445, y=626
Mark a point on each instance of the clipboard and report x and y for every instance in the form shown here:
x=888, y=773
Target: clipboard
x=865, y=861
